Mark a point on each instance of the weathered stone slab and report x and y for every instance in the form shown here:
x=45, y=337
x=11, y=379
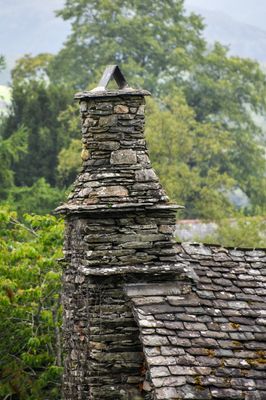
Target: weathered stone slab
x=144, y=289
x=121, y=157
x=121, y=109
x=111, y=191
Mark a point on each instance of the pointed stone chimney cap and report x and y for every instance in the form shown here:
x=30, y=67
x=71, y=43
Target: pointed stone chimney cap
x=112, y=72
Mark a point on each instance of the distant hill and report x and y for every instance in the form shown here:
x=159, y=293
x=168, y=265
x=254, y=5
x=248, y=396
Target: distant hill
x=243, y=40
x=29, y=27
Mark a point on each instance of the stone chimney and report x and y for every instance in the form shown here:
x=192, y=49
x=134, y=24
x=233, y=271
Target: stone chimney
x=119, y=230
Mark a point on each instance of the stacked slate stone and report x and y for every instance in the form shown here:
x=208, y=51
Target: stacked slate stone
x=206, y=339
x=119, y=229
x=116, y=166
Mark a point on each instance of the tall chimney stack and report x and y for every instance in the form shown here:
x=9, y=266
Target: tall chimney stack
x=119, y=230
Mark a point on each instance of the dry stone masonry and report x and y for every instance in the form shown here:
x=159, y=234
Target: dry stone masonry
x=117, y=171
x=119, y=228
x=144, y=317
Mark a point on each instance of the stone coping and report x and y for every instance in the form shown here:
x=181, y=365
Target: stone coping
x=111, y=93
x=79, y=209
x=176, y=268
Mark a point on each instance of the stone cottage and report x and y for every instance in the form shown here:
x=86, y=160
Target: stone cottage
x=145, y=317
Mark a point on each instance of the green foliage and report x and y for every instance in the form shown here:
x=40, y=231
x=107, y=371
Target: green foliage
x=240, y=232
x=30, y=68
x=40, y=198
x=68, y=159
x=30, y=312
x=189, y=157
x=36, y=105
x=230, y=91
x=69, y=162
x=11, y=150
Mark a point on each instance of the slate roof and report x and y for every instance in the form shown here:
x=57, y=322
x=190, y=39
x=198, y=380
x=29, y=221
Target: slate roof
x=206, y=338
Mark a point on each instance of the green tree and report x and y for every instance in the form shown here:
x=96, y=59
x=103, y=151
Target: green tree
x=30, y=68
x=30, y=312
x=36, y=104
x=230, y=91
x=189, y=157
x=240, y=232
x=154, y=41
x=69, y=162
x=40, y=198
x=11, y=150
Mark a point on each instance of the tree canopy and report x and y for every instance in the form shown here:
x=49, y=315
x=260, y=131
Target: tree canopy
x=154, y=41
x=36, y=105
x=30, y=311
x=189, y=157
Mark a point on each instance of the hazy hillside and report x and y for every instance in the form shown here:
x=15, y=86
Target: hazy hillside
x=244, y=40
x=29, y=26
x=251, y=12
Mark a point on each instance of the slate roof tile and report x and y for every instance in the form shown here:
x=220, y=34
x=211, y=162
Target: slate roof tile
x=159, y=371
x=206, y=339
x=227, y=394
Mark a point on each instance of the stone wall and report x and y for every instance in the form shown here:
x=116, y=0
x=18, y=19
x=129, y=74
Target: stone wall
x=104, y=358
x=119, y=239
x=104, y=355
x=119, y=230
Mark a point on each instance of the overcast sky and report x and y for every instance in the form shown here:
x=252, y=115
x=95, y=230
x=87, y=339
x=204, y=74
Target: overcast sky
x=251, y=12
x=28, y=25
